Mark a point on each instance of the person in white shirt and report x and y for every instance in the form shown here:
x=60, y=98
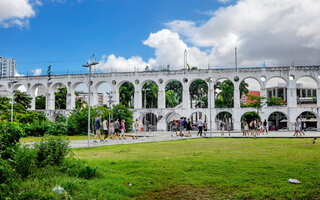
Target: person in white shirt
x=105, y=126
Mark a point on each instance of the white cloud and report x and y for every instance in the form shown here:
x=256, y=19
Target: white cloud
x=37, y=72
x=275, y=32
x=17, y=12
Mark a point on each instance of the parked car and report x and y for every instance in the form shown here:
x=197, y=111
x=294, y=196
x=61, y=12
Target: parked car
x=311, y=129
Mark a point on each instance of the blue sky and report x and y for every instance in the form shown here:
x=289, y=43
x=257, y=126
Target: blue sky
x=66, y=34
x=127, y=35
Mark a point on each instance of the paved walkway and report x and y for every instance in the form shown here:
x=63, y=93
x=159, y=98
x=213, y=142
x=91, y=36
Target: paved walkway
x=166, y=136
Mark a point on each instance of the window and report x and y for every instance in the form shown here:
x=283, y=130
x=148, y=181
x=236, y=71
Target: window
x=314, y=93
x=280, y=93
x=269, y=93
x=303, y=92
x=298, y=93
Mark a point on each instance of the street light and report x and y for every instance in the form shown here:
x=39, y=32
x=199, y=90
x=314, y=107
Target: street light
x=110, y=101
x=89, y=65
x=145, y=112
x=209, y=80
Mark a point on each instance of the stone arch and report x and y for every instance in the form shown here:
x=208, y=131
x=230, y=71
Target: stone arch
x=150, y=121
x=4, y=91
x=126, y=93
x=175, y=97
x=248, y=116
x=224, y=96
x=276, y=87
x=309, y=119
x=170, y=117
x=38, y=92
x=251, y=77
x=99, y=90
x=150, y=91
x=249, y=87
x=226, y=117
x=19, y=86
x=306, y=90
x=195, y=116
x=58, y=103
x=198, y=93
x=277, y=120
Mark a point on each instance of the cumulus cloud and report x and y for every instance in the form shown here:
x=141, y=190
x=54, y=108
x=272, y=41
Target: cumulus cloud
x=37, y=72
x=17, y=12
x=275, y=32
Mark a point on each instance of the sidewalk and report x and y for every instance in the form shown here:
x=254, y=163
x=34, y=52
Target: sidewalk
x=166, y=136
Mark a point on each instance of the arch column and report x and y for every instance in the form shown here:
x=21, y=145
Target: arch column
x=33, y=102
x=161, y=97
x=137, y=98
x=185, y=96
x=236, y=95
x=263, y=92
x=236, y=115
x=292, y=104
x=70, y=101
x=51, y=101
x=116, y=97
x=318, y=97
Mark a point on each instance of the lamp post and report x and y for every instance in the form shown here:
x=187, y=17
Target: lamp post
x=209, y=80
x=145, y=112
x=109, y=94
x=89, y=65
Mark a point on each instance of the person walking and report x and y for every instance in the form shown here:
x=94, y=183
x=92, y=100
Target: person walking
x=111, y=130
x=180, y=127
x=251, y=127
x=174, y=128
x=184, y=126
x=245, y=129
x=296, y=129
x=136, y=129
x=97, y=126
x=116, y=127
x=205, y=127
x=105, y=126
x=222, y=128
x=229, y=128
x=123, y=130
x=189, y=127
x=301, y=132
x=200, y=126
x=265, y=127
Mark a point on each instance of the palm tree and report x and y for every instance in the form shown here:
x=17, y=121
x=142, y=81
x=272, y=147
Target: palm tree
x=126, y=94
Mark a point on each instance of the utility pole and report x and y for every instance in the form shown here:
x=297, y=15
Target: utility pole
x=89, y=65
x=110, y=101
x=48, y=84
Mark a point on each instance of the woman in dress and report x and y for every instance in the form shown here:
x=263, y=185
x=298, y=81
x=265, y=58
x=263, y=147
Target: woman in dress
x=136, y=129
x=111, y=129
x=123, y=129
x=174, y=127
x=245, y=129
x=189, y=127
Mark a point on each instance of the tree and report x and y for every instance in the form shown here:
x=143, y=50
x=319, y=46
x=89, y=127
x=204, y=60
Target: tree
x=126, y=93
x=225, y=96
x=61, y=98
x=152, y=94
x=41, y=102
x=23, y=99
x=198, y=89
x=243, y=87
x=174, y=91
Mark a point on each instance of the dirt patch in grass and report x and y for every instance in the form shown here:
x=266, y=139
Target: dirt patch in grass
x=187, y=192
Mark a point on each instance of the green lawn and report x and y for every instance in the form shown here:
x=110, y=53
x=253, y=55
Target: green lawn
x=207, y=169
x=217, y=168
x=38, y=139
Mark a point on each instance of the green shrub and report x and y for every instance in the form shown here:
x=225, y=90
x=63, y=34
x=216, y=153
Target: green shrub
x=58, y=128
x=11, y=132
x=52, y=151
x=25, y=161
x=37, y=129
x=78, y=168
x=7, y=173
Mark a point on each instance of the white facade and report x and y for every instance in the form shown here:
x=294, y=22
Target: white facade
x=289, y=74
x=7, y=67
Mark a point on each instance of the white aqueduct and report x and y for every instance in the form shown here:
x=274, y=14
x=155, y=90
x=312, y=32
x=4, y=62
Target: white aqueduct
x=163, y=115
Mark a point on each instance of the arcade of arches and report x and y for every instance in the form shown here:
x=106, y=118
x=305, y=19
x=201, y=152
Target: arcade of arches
x=284, y=93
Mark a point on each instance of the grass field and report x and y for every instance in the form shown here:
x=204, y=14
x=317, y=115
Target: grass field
x=38, y=139
x=207, y=169
x=217, y=168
